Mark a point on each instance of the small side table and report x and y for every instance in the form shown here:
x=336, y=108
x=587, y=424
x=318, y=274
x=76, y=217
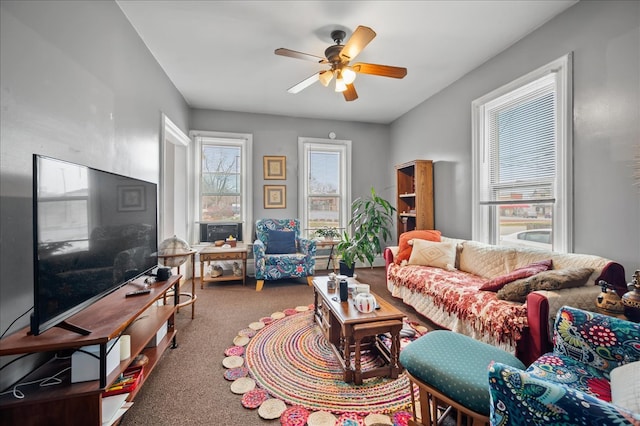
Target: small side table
x=331, y=260
x=213, y=253
x=191, y=296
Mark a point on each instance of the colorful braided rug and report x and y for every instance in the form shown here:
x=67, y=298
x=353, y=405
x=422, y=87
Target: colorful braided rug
x=286, y=357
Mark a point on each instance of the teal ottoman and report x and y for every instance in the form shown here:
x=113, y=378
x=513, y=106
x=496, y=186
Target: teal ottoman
x=451, y=370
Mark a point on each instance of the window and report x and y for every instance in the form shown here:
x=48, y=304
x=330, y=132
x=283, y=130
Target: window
x=63, y=214
x=522, y=160
x=325, y=183
x=223, y=179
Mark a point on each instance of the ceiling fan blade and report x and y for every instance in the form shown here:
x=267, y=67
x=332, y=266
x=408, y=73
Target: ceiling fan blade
x=300, y=55
x=382, y=70
x=350, y=94
x=304, y=83
x=358, y=41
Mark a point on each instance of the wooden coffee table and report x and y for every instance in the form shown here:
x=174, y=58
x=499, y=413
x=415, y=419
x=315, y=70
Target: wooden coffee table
x=352, y=332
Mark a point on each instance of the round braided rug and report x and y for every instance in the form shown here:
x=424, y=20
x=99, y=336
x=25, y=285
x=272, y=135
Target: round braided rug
x=292, y=361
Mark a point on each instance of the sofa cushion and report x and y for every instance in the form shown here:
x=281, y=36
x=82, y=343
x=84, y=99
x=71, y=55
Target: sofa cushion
x=625, y=386
x=487, y=261
x=281, y=242
x=524, y=272
x=518, y=290
x=404, y=248
x=430, y=253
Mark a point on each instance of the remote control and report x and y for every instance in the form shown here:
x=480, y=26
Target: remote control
x=138, y=293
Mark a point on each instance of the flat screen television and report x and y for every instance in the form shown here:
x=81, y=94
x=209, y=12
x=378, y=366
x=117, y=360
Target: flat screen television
x=93, y=231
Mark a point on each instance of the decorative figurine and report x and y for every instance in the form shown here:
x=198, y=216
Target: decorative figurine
x=631, y=299
x=608, y=301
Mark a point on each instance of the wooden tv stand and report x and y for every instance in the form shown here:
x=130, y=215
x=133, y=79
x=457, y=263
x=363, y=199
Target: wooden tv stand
x=107, y=319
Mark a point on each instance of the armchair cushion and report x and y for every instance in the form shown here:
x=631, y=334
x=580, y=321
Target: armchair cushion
x=570, y=372
x=518, y=398
x=281, y=242
x=572, y=384
x=602, y=341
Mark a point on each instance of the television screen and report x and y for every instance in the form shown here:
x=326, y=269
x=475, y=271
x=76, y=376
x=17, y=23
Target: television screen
x=93, y=232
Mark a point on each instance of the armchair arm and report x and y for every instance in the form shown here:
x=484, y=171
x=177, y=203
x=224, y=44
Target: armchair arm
x=602, y=341
x=518, y=398
x=259, y=251
x=307, y=247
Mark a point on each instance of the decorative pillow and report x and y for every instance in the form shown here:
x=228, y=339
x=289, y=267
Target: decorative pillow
x=404, y=249
x=524, y=272
x=430, y=253
x=281, y=242
x=518, y=290
x=625, y=386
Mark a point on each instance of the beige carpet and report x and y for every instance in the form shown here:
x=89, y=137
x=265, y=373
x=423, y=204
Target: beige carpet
x=187, y=386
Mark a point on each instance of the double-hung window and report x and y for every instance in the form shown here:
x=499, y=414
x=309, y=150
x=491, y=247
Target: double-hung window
x=224, y=179
x=63, y=207
x=522, y=186
x=324, y=183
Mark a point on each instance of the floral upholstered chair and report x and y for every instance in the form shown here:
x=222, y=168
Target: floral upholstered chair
x=279, y=251
x=595, y=361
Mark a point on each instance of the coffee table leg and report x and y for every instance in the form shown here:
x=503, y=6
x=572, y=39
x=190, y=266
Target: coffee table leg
x=358, y=367
x=395, y=351
x=346, y=356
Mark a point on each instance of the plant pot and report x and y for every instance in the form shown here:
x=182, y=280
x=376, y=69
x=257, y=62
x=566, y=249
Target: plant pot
x=345, y=270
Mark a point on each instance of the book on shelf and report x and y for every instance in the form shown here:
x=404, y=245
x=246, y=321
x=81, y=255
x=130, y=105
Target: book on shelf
x=126, y=383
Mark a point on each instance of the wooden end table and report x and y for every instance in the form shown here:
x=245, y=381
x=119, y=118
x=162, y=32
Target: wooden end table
x=212, y=253
x=350, y=331
x=331, y=258
x=191, y=297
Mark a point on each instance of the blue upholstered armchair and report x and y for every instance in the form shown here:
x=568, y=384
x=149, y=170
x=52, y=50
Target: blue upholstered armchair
x=573, y=384
x=279, y=251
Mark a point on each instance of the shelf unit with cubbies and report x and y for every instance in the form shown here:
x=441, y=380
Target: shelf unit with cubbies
x=414, y=189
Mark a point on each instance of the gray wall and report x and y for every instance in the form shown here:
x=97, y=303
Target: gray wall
x=605, y=39
x=77, y=84
x=277, y=135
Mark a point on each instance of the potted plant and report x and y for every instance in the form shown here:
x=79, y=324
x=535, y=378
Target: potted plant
x=371, y=223
x=327, y=232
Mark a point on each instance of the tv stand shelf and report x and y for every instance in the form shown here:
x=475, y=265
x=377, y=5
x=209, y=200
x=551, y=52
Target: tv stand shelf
x=107, y=319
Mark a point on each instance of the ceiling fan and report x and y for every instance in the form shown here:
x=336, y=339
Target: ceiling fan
x=338, y=57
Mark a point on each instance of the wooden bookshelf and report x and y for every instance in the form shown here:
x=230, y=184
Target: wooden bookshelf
x=414, y=189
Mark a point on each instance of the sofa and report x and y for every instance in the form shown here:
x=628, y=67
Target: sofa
x=592, y=376
x=450, y=290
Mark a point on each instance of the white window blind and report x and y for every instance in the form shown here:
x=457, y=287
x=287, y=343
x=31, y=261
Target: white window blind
x=522, y=140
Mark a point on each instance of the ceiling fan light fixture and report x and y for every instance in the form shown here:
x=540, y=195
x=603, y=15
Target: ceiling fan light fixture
x=340, y=85
x=325, y=77
x=348, y=75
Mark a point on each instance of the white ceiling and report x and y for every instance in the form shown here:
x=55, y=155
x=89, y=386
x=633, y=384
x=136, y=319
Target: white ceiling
x=219, y=54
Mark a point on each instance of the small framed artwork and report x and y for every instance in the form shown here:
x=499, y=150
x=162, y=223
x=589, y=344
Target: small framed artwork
x=131, y=198
x=275, y=167
x=275, y=196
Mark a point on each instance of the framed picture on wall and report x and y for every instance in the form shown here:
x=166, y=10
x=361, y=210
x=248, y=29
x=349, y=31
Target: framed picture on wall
x=131, y=198
x=275, y=167
x=275, y=196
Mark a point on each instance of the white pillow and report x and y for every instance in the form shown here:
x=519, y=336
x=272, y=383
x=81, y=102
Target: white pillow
x=625, y=386
x=430, y=253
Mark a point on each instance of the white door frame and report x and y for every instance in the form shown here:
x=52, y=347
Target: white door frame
x=175, y=208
